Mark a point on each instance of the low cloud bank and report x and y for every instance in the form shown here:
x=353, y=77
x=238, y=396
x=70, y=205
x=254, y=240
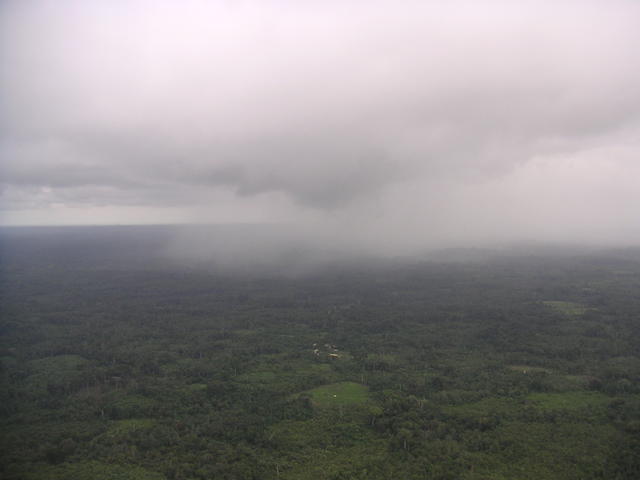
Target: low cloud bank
x=375, y=126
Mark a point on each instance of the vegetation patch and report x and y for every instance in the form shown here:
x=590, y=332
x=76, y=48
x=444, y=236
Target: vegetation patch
x=339, y=462
x=578, y=381
x=132, y=406
x=196, y=387
x=528, y=369
x=568, y=400
x=245, y=332
x=94, y=471
x=124, y=427
x=325, y=447
x=258, y=377
x=486, y=407
x=532, y=451
x=566, y=308
x=58, y=363
x=283, y=375
x=54, y=372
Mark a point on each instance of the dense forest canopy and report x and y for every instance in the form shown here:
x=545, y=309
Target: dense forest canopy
x=121, y=360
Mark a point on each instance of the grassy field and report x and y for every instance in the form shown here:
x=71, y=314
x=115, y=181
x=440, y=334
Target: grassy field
x=341, y=393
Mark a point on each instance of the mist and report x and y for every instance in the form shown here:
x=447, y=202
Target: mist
x=350, y=128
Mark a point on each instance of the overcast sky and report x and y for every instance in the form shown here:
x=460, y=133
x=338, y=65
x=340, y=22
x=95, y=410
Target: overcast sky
x=402, y=122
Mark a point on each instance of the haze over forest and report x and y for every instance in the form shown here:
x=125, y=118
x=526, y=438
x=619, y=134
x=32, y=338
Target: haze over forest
x=361, y=125
x=319, y=240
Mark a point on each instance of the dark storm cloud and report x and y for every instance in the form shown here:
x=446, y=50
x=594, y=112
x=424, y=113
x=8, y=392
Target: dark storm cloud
x=432, y=118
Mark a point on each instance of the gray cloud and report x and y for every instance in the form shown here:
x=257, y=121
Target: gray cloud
x=434, y=118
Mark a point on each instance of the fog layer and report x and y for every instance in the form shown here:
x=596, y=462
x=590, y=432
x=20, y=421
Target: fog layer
x=391, y=127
